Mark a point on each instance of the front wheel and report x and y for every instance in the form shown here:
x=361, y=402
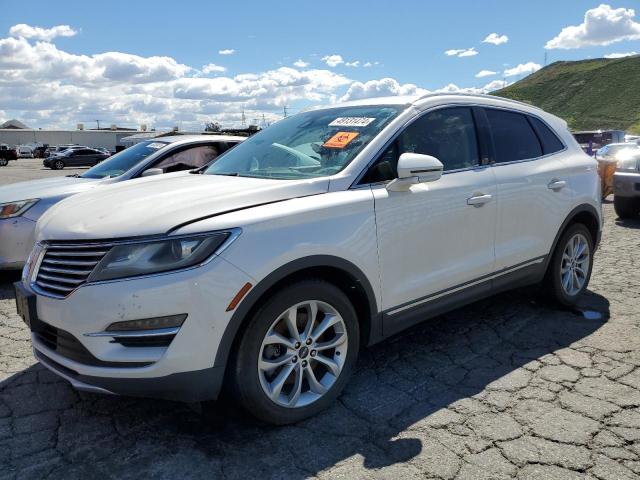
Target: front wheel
x=4, y=162
x=297, y=352
x=626, y=207
x=58, y=165
x=570, y=267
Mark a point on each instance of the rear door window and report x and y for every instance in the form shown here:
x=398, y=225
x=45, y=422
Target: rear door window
x=513, y=137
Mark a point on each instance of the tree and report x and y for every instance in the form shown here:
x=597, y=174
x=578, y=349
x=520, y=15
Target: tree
x=212, y=127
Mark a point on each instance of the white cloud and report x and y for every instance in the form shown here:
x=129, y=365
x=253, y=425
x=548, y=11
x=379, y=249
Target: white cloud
x=464, y=52
x=602, y=25
x=485, y=73
x=48, y=87
x=384, y=87
x=27, y=31
x=332, y=60
x=353, y=64
x=227, y=51
x=621, y=55
x=300, y=63
x=523, y=68
x=496, y=39
x=213, y=68
x=489, y=87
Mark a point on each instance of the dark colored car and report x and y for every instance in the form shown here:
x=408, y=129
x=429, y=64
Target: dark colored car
x=7, y=154
x=82, y=157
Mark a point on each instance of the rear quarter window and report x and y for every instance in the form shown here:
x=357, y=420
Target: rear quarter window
x=549, y=140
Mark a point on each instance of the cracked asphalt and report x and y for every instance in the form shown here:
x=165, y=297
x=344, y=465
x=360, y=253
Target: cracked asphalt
x=507, y=387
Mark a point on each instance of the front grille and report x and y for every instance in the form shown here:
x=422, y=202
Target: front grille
x=65, y=267
x=65, y=344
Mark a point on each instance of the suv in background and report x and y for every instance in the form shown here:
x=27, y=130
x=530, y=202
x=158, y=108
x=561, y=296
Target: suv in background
x=626, y=181
x=7, y=154
x=330, y=229
x=22, y=204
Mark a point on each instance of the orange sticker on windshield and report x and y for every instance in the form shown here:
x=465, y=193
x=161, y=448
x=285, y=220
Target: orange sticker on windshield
x=340, y=140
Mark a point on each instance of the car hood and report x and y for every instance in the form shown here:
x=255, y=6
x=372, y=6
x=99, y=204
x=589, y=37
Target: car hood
x=44, y=188
x=155, y=205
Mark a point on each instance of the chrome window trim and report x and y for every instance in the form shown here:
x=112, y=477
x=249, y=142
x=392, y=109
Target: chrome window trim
x=234, y=234
x=421, y=113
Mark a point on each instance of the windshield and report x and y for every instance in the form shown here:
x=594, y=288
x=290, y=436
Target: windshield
x=306, y=145
x=122, y=161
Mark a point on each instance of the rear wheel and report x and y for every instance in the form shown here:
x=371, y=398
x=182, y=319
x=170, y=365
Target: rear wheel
x=297, y=352
x=3, y=162
x=569, y=271
x=58, y=165
x=626, y=207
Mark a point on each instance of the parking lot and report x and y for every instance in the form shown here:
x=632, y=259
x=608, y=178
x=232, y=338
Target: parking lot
x=507, y=387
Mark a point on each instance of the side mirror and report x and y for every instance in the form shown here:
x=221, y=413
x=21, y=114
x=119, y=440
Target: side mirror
x=152, y=171
x=415, y=168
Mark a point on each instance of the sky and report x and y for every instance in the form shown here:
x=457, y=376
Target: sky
x=138, y=62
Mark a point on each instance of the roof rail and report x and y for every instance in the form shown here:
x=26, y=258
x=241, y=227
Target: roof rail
x=480, y=95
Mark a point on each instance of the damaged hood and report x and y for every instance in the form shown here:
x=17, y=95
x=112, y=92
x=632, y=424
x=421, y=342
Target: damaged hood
x=45, y=188
x=155, y=205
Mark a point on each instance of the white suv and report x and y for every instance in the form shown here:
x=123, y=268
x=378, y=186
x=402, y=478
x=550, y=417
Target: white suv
x=328, y=231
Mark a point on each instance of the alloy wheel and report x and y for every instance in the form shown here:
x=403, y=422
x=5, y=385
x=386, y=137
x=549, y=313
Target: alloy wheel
x=574, y=267
x=302, y=354
x=59, y=165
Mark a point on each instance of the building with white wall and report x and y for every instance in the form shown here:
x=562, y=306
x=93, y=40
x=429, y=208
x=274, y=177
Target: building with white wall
x=109, y=139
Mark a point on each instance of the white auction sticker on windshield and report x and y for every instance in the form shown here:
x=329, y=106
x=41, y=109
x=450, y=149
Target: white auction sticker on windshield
x=156, y=145
x=351, y=122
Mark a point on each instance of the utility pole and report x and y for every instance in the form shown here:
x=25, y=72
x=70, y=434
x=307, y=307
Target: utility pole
x=98, y=122
x=264, y=122
x=284, y=111
x=244, y=119
x=546, y=57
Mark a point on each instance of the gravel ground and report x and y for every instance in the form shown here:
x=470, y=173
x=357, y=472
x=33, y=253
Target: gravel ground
x=507, y=387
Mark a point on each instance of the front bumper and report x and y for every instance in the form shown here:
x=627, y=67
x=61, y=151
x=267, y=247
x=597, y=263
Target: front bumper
x=626, y=184
x=16, y=241
x=183, y=370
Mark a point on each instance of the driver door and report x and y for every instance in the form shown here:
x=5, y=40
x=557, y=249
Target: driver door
x=436, y=240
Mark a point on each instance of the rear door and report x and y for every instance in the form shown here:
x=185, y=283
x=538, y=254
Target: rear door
x=532, y=187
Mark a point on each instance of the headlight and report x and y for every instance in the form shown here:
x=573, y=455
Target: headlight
x=15, y=209
x=627, y=161
x=156, y=256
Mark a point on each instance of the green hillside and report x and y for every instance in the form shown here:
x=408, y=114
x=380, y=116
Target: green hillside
x=588, y=94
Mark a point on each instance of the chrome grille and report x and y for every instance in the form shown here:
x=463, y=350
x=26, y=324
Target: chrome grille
x=65, y=267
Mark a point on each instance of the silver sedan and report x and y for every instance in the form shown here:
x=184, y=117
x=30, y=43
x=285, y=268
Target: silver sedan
x=22, y=204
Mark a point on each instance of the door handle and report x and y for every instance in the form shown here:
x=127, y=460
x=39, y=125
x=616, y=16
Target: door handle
x=479, y=200
x=556, y=184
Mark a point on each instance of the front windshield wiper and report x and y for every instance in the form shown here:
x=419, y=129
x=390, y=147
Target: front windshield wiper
x=227, y=174
x=75, y=175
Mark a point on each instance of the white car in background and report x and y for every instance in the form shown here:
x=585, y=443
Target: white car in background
x=331, y=229
x=22, y=204
x=25, y=152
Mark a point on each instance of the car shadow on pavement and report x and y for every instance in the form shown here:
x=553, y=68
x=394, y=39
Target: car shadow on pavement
x=405, y=391
x=628, y=223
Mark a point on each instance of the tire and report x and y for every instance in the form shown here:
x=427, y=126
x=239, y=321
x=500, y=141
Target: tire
x=4, y=162
x=58, y=165
x=251, y=381
x=626, y=207
x=562, y=267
